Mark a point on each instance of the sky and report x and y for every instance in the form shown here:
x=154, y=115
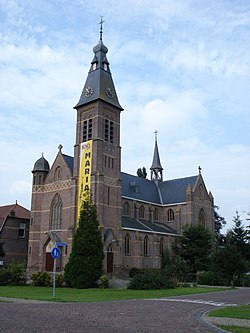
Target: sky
x=181, y=67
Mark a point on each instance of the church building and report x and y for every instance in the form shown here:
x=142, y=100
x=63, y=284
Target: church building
x=139, y=218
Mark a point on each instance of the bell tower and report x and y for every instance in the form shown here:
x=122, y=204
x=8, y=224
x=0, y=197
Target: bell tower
x=98, y=126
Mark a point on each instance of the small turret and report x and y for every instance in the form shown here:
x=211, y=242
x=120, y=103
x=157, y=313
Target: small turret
x=40, y=170
x=156, y=168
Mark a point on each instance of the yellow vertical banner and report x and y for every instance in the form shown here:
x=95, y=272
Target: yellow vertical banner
x=85, y=171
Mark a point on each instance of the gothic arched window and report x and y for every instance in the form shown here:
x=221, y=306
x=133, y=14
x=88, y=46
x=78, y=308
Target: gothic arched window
x=126, y=209
x=161, y=246
x=142, y=212
x=201, y=191
x=56, y=213
x=156, y=215
x=58, y=173
x=146, y=246
x=127, y=245
x=202, y=217
x=170, y=215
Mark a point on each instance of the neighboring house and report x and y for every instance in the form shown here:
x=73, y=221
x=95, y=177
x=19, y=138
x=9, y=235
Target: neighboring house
x=139, y=218
x=14, y=233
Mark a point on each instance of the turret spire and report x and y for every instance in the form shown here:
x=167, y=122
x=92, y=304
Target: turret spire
x=156, y=168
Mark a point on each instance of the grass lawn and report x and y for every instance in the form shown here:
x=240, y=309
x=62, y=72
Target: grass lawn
x=95, y=295
x=240, y=312
x=235, y=329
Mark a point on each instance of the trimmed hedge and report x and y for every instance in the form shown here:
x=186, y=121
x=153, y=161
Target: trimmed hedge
x=151, y=280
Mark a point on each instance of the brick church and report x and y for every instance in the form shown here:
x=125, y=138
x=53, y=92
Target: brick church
x=139, y=218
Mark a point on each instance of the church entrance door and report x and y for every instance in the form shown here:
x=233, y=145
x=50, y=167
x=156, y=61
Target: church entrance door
x=110, y=260
x=49, y=264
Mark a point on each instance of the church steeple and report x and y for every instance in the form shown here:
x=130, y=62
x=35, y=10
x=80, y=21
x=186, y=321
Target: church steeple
x=99, y=83
x=156, y=168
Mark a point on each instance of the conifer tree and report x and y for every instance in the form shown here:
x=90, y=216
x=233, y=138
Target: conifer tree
x=84, y=267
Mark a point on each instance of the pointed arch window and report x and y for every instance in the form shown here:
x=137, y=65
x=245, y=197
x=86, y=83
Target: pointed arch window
x=170, y=215
x=127, y=245
x=56, y=213
x=202, y=217
x=161, y=246
x=58, y=173
x=156, y=215
x=142, y=212
x=201, y=191
x=126, y=209
x=146, y=246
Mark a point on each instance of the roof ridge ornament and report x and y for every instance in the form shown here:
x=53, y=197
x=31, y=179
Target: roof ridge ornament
x=101, y=23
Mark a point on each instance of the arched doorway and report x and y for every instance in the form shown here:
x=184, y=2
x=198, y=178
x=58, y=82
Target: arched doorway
x=110, y=259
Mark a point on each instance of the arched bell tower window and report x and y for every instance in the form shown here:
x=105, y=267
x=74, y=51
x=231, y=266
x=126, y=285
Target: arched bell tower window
x=142, y=212
x=56, y=213
x=202, y=217
x=87, y=130
x=170, y=215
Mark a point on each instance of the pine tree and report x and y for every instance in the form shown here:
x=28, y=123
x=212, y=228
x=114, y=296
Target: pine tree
x=195, y=247
x=84, y=267
x=239, y=236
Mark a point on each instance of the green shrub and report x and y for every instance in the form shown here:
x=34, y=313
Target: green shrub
x=211, y=279
x=4, y=276
x=151, y=280
x=59, y=280
x=14, y=274
x=42, y=279
x=103, y=281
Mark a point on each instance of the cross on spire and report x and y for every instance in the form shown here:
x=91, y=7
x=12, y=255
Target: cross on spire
x=155, y=132
x=60, y=147
x=199, y=168
x=101, y=23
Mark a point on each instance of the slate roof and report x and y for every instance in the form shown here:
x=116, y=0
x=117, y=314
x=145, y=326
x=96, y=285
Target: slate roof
x=131, y=223
x=169, y=192
x=20, y=212
x=139, y=188
x=70, y=161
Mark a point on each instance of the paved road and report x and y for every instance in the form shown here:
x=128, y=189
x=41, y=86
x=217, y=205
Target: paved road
x=175, y=315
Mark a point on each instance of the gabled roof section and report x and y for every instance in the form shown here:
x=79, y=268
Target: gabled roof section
x=99, y=83
x=174, y=191
x=13, y=210
x=139, y=189
x=129, y=223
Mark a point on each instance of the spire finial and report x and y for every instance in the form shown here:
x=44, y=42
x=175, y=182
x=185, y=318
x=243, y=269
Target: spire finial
x=199, y=168
x=101, y=23
x=155, y=132
x=60, y=147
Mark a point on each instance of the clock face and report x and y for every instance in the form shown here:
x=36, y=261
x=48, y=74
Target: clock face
x=88, y=91
x=110, y=93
